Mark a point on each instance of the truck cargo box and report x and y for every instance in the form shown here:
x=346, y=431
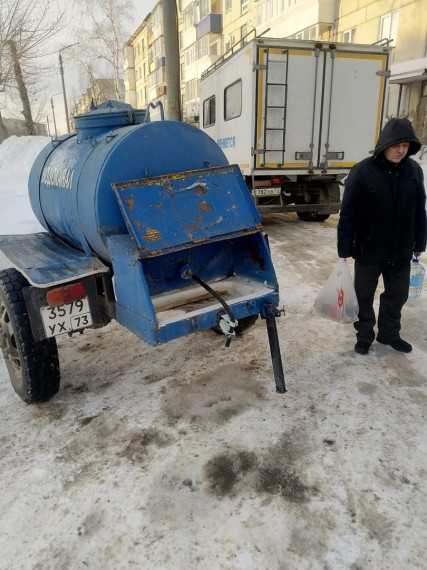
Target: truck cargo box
x=296, y=116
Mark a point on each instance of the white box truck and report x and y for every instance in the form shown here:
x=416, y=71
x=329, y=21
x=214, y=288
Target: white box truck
x=296, y=115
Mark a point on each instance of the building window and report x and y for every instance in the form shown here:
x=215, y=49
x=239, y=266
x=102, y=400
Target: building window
x=156, y=16
x=201, y=48
x=388, y=27
x=157, y=48
x=215, y=7
x=233, y=100
x=311, y=33
x=349, y=36
x=209, y=111
x=228, y=42
x=270, y=9
x=158, y=76
x=243, y=34
x=191, y=90
x=228, y=5
x=188, y=17
x=303, y=35
x=244, y=6
x=203, y=8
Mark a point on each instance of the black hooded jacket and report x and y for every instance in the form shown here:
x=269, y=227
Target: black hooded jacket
x=383, y=215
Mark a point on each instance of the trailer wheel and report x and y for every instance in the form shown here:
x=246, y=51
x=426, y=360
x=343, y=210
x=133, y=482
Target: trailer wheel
x=244, y=324
x=33, y=366
x=312, y=216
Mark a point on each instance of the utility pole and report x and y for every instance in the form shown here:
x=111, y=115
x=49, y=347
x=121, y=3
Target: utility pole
x=173, y=85
x=53, y=113
x=61, y=70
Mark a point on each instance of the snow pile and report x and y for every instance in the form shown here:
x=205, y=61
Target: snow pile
x=17, y=155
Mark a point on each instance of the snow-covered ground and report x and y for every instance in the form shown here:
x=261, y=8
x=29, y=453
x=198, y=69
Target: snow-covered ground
x=184, y=457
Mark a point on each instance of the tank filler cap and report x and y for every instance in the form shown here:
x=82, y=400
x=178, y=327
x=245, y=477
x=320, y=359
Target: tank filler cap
x=103, y=118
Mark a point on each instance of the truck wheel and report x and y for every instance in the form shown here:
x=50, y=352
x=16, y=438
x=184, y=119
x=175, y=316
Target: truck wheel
x=33, y=366
x=244, y=324
x=312, y=216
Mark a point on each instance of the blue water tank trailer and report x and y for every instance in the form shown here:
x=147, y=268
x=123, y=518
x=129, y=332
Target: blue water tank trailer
x=146, y=223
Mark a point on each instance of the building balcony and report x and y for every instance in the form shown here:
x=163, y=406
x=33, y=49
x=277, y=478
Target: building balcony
x=161, y=62
x=295, y=18
x=412, y=71
x=210, y=23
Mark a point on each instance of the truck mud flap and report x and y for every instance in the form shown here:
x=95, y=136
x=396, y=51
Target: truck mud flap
x=46, y=261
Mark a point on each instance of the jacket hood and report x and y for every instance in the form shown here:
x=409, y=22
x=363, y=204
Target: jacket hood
x=396, y=131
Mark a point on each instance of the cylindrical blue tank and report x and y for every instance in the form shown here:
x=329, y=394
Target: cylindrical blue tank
x=70, y=181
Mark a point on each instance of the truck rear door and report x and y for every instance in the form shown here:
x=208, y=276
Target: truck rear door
x=352, y=106
x=316, y=108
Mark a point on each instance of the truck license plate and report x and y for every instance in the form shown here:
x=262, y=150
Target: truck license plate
x=267, y=191
x=66, y=318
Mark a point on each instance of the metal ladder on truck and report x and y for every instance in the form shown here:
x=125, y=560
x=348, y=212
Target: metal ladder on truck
x=276, y=90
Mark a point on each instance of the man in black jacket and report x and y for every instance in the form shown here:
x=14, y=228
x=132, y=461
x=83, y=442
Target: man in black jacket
x=382, y=224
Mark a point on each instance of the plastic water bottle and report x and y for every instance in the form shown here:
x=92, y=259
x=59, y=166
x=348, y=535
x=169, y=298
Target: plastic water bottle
x=416, y=280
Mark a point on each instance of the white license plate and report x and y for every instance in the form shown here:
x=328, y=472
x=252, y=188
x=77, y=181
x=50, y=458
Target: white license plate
x=267, y=191
x=66, y=318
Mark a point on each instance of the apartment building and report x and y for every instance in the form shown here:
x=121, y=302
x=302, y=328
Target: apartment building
x=402, y=24
x=144, y=62
x=213, y=29
x=201, y=33
x=239, y=23
x=134, y=65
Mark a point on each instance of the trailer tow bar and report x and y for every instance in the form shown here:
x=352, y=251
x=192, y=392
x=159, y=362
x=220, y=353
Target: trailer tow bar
x=269, y=313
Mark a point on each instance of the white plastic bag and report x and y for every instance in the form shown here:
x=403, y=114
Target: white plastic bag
x=337, y=300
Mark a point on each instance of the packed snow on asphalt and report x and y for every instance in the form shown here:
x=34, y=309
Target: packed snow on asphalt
x=184, y=457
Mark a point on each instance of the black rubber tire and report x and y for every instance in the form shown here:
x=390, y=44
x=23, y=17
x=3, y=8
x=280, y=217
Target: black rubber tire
x=312, y=216
x=244, y=324
x=33, y=366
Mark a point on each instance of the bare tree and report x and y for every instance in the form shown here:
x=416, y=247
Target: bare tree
x=102, y=33
x=26, y=26
x=5, y=66
x=3, y=129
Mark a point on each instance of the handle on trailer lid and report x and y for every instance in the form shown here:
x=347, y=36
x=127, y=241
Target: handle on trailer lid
x=153, y=106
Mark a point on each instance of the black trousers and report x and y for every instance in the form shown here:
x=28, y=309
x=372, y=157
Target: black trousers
x=394, y=296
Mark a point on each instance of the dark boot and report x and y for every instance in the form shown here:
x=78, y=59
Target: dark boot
x=400, y=345
x=362, y=347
